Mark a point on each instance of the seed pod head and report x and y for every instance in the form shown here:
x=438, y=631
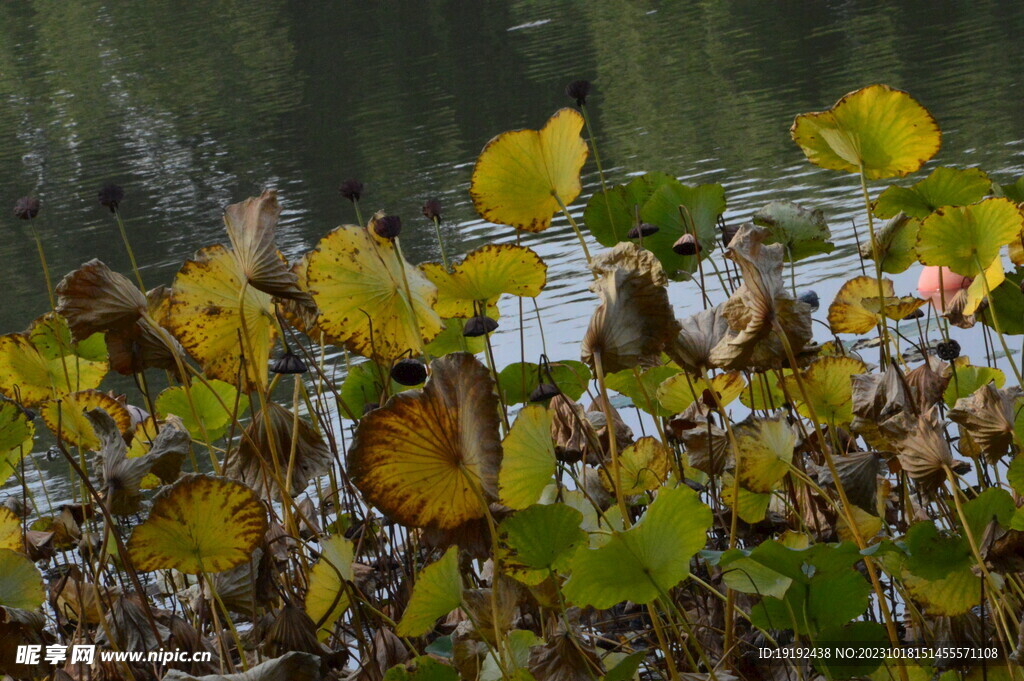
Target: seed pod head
x=687, y=244
x=288, y=363
x=432, y=209
x=480, y=325
x=351, y=190
x=578, y=90
x=948, y=350
x=728, y=232
x=544, y=392
x=111, y=196
x=387, y=226
x=409, y=372
x=811, y=298
x=26, y=208
x=916, y=314
x=644, y=229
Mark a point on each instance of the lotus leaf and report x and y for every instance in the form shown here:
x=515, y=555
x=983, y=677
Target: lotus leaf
x=483, y=276
x=966, y=239
x=201, y=523
x=802, y=231
x=829, y=389
x=648, y=559
x=359, y=279
x=541, y=539
x=428, y=458
x=855, y=308
x=943, y=187
x=678, y=209
x=327, y=597
x=65, y=417
x=519, y=379
x=522, y=176
x=438, y=591
x=10, y=530
x=879, y=129
x=680, y=391
x=765, y=452
x=95, y=299
x=642, y=392
x=214, y=402
x=966, y=378
x=643, y=466
x=529, y=458
x=896, y=243
x=16, y=435
x=21, y=585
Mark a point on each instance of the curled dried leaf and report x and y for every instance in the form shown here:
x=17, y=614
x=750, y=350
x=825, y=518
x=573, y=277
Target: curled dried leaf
x=924, y=453
x=634, y=322
x=988, y=415
x=699, y=335
x=757, y=305
x=94, y=298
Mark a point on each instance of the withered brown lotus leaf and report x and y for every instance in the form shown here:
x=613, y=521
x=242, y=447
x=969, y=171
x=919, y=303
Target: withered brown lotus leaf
x=252, y=226
x=244, y=588
x=264, y=455
x=928, y=382
x=924, y=453
x=634, y=322
x=94, y=299
x=18, y=628
x=140, y=346
x=882, y=408
x=955, y=307
x=760, y=302
x=564, y=659
x=988, y=415
x=292, y=629
x=858, y=473
x=129, y=627
x=427, y=456
x=699, y=335
x=293, y=666
x=571, y=431
x=706, y=444
x=599, y=420
x=121, y=476
x=478, y=605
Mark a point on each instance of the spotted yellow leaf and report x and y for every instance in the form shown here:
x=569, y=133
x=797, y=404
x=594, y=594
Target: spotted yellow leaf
x=856, y=307
x=358, y=280
x=765, y=452
x=483, y=276
x=678, y=392
x=327, y=597
x=44, y=362
x=878, y=128
x=10, y=530
x=829, y=389
x=430, y=458
x=520, y=173
x=201, y=523
x=220, y=320
x=643, y=466
x=65, y=417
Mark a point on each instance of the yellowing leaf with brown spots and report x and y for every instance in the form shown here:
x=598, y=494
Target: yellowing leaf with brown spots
x=66, y=417
x=855, y=309
x=483, y=276
x=430, y=458
x=16, y=433
x=519, y=173
x=44, y=362
x=359, y=283
x=201, y=523
x=219, y=324
x=879, y=128
x=643, y=466
x=765, y=452
x=10, y=530
x=678, y=392
x=829, y=386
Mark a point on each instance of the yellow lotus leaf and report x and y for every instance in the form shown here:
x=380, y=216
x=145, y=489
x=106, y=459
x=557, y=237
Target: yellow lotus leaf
x=252, y=226
x=829, y=387
x=678, y=392
x=327, y=597
x=16, y=433
x=483, y=276
x=201, y=523
x=765, y=452
x=428, y=458
x=10, y=530
x=21, y=585
x=976, y=292
x=868, y=525
x=44, y=362
x=65, y=417
x=881, y=129
x=519, y=173
x=954, y=594
x=218, y=323
x=643, y=466
x=528, y=464
x=359, y=281
x=966, y=239
x=752, y=506
x=855, y=309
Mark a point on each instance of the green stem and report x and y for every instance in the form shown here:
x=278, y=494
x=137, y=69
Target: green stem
x=128, y=247
x=883, y=328
x=995, y=321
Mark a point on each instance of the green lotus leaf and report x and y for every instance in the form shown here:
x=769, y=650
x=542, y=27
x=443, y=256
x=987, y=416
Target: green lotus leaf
x=966, y=239
x=896, y=243
x=212, y=406
x=438, y=591
x=528, y=464
x=451, y=339
x=610, y=214
x=828, y=599
x=646, y=560
x=703, y=204
x=643, y=392
x=21, y=585
x=1013, y=191
x=422, y=668
x=934, y=554
x=16, y=433
x=859, y=635
x=943, y=187
x=540, y=539
x=363, y=386
x=802, y=231
x=967, y=378
x=1007, y=304
x=519, y=379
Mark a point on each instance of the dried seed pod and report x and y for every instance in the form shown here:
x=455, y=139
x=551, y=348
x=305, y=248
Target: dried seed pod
x=643, y=230
x=409, y=372
x=578, y=90
x=111, y=196
x=288, y=363
x=544, y=392
x=948, y=350
x=480, y=325
x=351, y=190
x=26, y=208
x=687, y=244
x=387, y=226
x=432, y=209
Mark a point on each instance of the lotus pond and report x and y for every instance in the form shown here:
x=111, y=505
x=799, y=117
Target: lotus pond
x=318, y=466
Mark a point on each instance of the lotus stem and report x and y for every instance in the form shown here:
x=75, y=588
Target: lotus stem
x=46, y=268
x=128, y=248
x=440, y=242
x=883, y=328
x=613, y=445
x=995, y=321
